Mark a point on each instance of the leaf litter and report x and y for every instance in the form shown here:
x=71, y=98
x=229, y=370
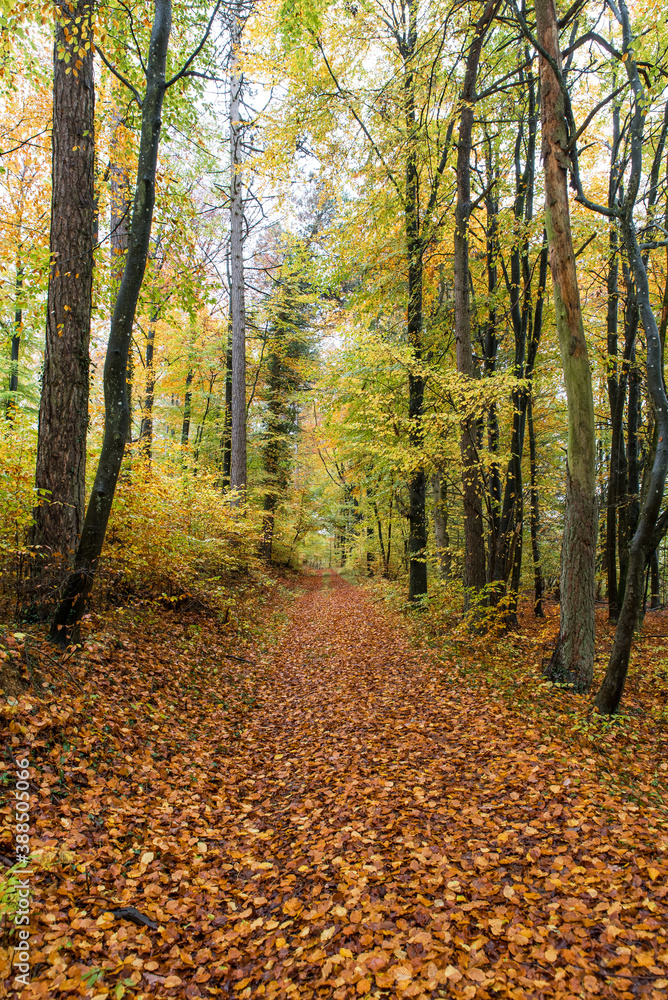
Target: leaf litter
x=337, y=815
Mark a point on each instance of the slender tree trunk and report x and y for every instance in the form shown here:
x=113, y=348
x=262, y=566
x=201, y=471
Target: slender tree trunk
x=650, y=527
x=655, y=581
x=535, y=517
x=16, y=343
x=573, y=658
x=389, y=533
x=117, y=414
x=474, y=566
x=442, y=538
x=491, y=347
x=648, y=532
x=227, y=423
x=614, y=381
x=120, y=205
x=417, y=486
x=527, y=327
x=381, y=543
x=237, y=299
x=187, y=405
x=146, y=431
x=60, y=475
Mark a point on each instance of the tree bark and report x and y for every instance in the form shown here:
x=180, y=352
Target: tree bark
x=441, y=536
x=650, y=527
x=615, y=381
x=226, y=442
x=117, y=414
x=16, y=343
x=187, y=404
x=60, y=474
x=573, y=658
x=417, y=485
x=527, y=325
x=535, y=517
x=237, y=298
x=474, y=565
x=655, y=581
x=146, y=430
x=646, y=537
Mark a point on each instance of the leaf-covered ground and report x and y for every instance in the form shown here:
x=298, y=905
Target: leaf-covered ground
x=343, y=816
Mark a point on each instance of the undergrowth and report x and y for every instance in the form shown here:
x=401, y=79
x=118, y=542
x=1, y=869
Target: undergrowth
x=628, y=751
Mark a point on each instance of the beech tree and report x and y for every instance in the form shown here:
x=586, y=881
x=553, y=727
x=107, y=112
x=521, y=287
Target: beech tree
x=237, y=291
x=573, y=657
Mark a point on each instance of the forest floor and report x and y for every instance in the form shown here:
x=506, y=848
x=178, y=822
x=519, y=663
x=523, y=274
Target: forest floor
x=318, y=806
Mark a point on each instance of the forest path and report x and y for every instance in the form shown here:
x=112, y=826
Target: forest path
x=392, y=832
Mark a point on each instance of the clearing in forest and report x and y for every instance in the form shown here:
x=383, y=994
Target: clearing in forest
x=375, y=826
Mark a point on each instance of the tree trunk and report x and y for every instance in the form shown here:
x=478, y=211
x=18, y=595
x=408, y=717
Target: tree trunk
x=60, y=474
x=655, y=581
x=442, y=538
x=16, y=344
x=146, y=430
x=650, y=527
x=117, y=414
x=227, y=422
x=573, y=658
x=237, y=298
x=417, y=486
x=535, y=518
x=187, y=405
x=474, y=565
x=648, y=532
x=120, y=204
x=614, y=380
x=491, y=346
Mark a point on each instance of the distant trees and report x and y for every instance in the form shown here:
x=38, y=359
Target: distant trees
x=287, y=349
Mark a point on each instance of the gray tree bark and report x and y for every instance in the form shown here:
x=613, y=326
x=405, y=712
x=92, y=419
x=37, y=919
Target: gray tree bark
x=573, y=658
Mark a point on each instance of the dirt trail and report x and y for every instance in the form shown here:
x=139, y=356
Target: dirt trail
x=394, y=834
x=374, y=826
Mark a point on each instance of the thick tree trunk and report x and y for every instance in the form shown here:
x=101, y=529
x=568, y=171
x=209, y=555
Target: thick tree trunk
x=60, y=474
x=573, y=658
x=117, y=415
x=237, y=297
x=474, y=564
